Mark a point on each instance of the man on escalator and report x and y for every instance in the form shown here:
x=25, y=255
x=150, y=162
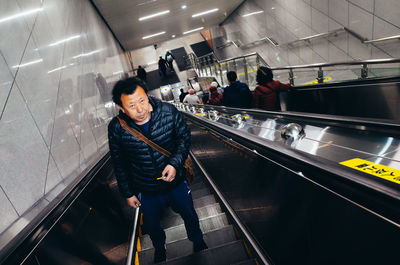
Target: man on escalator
x=145, y=176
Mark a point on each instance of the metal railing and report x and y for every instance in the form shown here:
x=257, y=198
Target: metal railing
x=132, y=243
x=247, y=65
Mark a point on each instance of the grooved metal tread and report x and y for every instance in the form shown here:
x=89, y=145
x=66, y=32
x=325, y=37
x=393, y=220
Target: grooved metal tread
x=246, y=262
x=203, y=212
x=197, y=203
x=184, y=247
x=226, y=254
x=179, y=232
x=200, y=193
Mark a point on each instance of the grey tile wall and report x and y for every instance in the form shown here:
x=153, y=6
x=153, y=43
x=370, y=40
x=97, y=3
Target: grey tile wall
x=53, y=118
x=288, y=20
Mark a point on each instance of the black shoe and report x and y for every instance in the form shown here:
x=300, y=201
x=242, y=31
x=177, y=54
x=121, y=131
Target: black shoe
x=160, y=255
x=199, y=246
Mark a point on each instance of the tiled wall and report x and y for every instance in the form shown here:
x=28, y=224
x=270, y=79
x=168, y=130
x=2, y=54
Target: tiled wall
x=288, y=20
x=57, y=64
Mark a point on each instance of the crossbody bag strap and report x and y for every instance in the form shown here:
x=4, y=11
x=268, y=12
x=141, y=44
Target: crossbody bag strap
x=135, y=133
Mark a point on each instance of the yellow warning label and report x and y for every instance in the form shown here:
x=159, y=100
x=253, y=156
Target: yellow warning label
x=316, y=81
x=372, y=168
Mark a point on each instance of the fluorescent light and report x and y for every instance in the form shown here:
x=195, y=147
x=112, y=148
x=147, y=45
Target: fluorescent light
x=253, y=13
x=116, y=73
x=28, y=63
x=184, y=6
x=153, y=62
x=205, y=12
x=57, y=69
x=192, y=30
x=65, y=40
x=86, y=54
x=173, y=36
x=153, y=35
x=154, y=15
x=21, y=14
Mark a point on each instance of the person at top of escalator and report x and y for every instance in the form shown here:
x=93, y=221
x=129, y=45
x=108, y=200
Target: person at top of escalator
x=237, y=94
x=266, y=93
x=146, y=177
x=192, y=98
x=215, y=96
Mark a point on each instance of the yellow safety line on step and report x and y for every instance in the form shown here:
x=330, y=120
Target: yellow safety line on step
x=138, y=247
x=137, y=258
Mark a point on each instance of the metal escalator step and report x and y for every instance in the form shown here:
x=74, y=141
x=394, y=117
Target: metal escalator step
x=198, y=203
x=197, y=179
x=203, y=212
x=200, y=193
x=226, y=254
x=185, y=247
x=203, y=201
x=179, y=232
x=198, y=186
x=246, y=262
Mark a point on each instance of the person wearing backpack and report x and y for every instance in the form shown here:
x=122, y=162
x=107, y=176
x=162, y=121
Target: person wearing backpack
x=266, y=93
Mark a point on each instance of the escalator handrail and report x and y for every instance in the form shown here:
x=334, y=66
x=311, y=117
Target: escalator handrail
x=133, y=237
x=232, y=213
x=388, y=126
x=356, y=62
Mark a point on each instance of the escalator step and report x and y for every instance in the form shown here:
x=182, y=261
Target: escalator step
x=198, y=203
x=185, y=247
x=179, y=232
x=246, y=262
x=203, y=201
x=175, y=219
x=200, y=193
x=198, y=186
x=226, y=254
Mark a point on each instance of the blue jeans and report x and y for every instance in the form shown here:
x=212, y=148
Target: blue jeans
x=180, y=200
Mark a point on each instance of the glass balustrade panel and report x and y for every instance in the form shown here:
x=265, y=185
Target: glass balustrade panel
x=383, y=70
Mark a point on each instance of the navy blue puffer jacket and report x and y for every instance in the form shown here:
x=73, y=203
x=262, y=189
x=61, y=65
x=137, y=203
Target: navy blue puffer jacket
x=137, y=165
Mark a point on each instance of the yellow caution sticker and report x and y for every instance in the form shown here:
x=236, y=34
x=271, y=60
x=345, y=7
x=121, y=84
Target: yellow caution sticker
x=316, y=81
x=372, y=168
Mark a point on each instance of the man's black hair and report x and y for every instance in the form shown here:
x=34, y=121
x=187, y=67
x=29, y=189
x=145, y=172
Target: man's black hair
x=127, y=86
x=264, y=75
x=231, y=75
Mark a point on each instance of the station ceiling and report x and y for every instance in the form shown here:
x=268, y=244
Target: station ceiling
x=123, y=18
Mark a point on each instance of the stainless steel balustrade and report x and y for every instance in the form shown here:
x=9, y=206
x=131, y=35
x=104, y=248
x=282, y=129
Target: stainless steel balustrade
x=247, y=65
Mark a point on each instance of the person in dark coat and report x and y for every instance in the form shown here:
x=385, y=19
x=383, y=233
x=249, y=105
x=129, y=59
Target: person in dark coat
x=182, y=95
x=146, y=177
x=162, y=66
x=141, y=73
x=237, y=94
x=266, y=93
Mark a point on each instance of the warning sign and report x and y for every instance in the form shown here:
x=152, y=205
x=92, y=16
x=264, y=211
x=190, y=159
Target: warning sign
x=372, y=168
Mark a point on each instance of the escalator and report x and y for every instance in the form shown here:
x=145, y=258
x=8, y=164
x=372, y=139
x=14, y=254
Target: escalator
x=265, y=193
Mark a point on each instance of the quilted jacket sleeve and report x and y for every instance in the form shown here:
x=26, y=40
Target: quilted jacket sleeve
x=182, y=141
x=114, y=141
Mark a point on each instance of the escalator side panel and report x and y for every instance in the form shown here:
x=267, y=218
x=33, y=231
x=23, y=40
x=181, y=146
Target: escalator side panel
x=294, y=220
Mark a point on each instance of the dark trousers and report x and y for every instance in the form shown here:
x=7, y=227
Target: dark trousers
x=180, y=200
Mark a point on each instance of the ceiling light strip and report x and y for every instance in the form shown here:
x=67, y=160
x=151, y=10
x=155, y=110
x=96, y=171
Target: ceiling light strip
x=153, y=35
x=193, y=30
x=28, y=63
x=64, y=40
x=21, y=14
x=154, y=15
x=253, y=13
x=205, y=12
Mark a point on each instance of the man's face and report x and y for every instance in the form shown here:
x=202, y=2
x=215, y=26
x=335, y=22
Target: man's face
x=137, y=106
